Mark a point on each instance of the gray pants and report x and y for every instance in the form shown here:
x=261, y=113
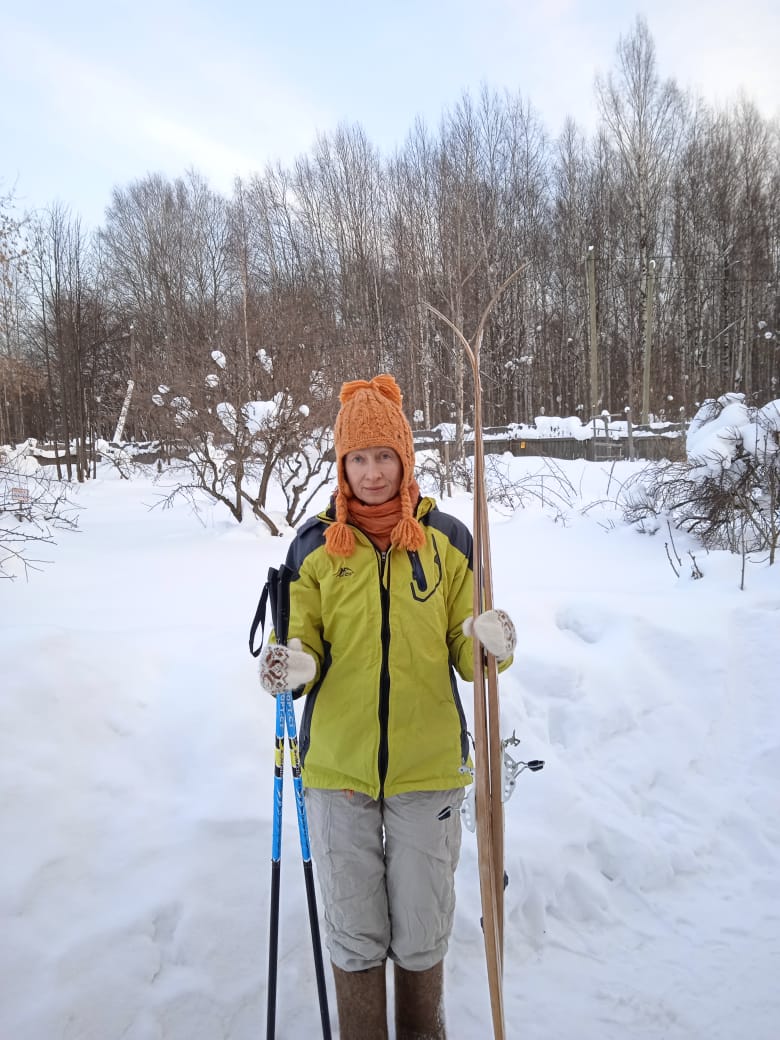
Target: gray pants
x=387, y=874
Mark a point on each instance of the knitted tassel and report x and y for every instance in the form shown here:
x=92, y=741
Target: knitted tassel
x=408, y=534
x=339, y=538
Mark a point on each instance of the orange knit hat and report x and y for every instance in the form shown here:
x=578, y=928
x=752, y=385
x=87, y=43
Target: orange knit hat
x=371, y=417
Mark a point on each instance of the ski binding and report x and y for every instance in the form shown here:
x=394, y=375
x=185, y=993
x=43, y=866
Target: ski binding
x=511, y=768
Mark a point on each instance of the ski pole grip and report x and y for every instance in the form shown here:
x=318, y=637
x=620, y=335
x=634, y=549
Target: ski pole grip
x=279, y=587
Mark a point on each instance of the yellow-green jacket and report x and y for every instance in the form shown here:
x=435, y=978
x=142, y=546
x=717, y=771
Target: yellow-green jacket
x=383, y=714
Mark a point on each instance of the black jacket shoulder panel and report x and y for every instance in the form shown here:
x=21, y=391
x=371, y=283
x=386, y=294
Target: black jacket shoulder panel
x=456, y=531
x=310, y=537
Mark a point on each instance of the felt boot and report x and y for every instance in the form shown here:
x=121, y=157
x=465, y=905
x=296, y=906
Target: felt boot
x=361, y=998
x=419, y=1003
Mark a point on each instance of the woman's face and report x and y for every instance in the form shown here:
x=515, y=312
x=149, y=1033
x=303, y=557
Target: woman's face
x=374, y=474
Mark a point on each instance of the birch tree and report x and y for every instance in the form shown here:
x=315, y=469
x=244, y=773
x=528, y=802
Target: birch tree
x=644, y=118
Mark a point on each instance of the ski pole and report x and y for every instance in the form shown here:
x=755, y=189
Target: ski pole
x=277, y=590
x=308, y=872
x=285, y=719
x=276, y=870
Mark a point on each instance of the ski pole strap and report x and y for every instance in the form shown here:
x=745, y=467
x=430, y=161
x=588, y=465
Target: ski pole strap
x=258, y=621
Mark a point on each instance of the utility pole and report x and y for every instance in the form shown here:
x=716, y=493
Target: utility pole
x=590, y=280
x=649, y=297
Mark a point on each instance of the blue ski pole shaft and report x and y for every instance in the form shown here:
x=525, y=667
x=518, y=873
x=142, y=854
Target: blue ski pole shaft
x=308, y=873
x=276, y=870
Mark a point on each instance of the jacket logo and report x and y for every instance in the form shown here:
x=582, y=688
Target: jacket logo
x=345, y=572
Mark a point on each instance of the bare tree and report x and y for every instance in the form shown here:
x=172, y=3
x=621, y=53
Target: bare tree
x=33, y=507
x=68, y=326
x=323, y=267
x=644, y=118
x=18, y=379
x=230, y=448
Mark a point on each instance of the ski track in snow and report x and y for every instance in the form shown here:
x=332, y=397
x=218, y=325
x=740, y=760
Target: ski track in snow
x=136, y=777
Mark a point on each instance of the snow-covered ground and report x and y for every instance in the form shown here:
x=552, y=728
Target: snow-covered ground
x=136, y=762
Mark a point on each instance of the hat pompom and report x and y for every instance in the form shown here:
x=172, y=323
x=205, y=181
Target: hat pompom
x=388, y=388
x=348, y=390
x=384, y=385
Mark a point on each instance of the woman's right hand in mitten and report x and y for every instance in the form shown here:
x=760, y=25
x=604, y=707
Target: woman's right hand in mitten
x=285, y=668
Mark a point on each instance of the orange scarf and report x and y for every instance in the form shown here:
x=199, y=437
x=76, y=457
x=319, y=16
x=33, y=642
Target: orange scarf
x=378, y=521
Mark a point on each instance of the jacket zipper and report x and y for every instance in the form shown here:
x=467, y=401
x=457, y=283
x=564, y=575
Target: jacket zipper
x=384, y=674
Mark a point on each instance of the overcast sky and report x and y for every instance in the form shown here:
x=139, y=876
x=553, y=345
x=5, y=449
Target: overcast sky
x=97, y=94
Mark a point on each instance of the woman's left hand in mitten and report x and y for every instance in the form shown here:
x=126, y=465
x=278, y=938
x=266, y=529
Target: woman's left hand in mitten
x=495, y=631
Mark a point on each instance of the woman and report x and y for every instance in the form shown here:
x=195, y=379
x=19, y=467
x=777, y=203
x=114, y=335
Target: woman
x=380, y=614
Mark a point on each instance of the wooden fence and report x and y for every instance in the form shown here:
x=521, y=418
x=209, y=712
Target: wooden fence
x=666, y=442
x=643, y=444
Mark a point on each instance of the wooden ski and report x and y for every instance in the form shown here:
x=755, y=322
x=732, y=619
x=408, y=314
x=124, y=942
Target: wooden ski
x=489, y=807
